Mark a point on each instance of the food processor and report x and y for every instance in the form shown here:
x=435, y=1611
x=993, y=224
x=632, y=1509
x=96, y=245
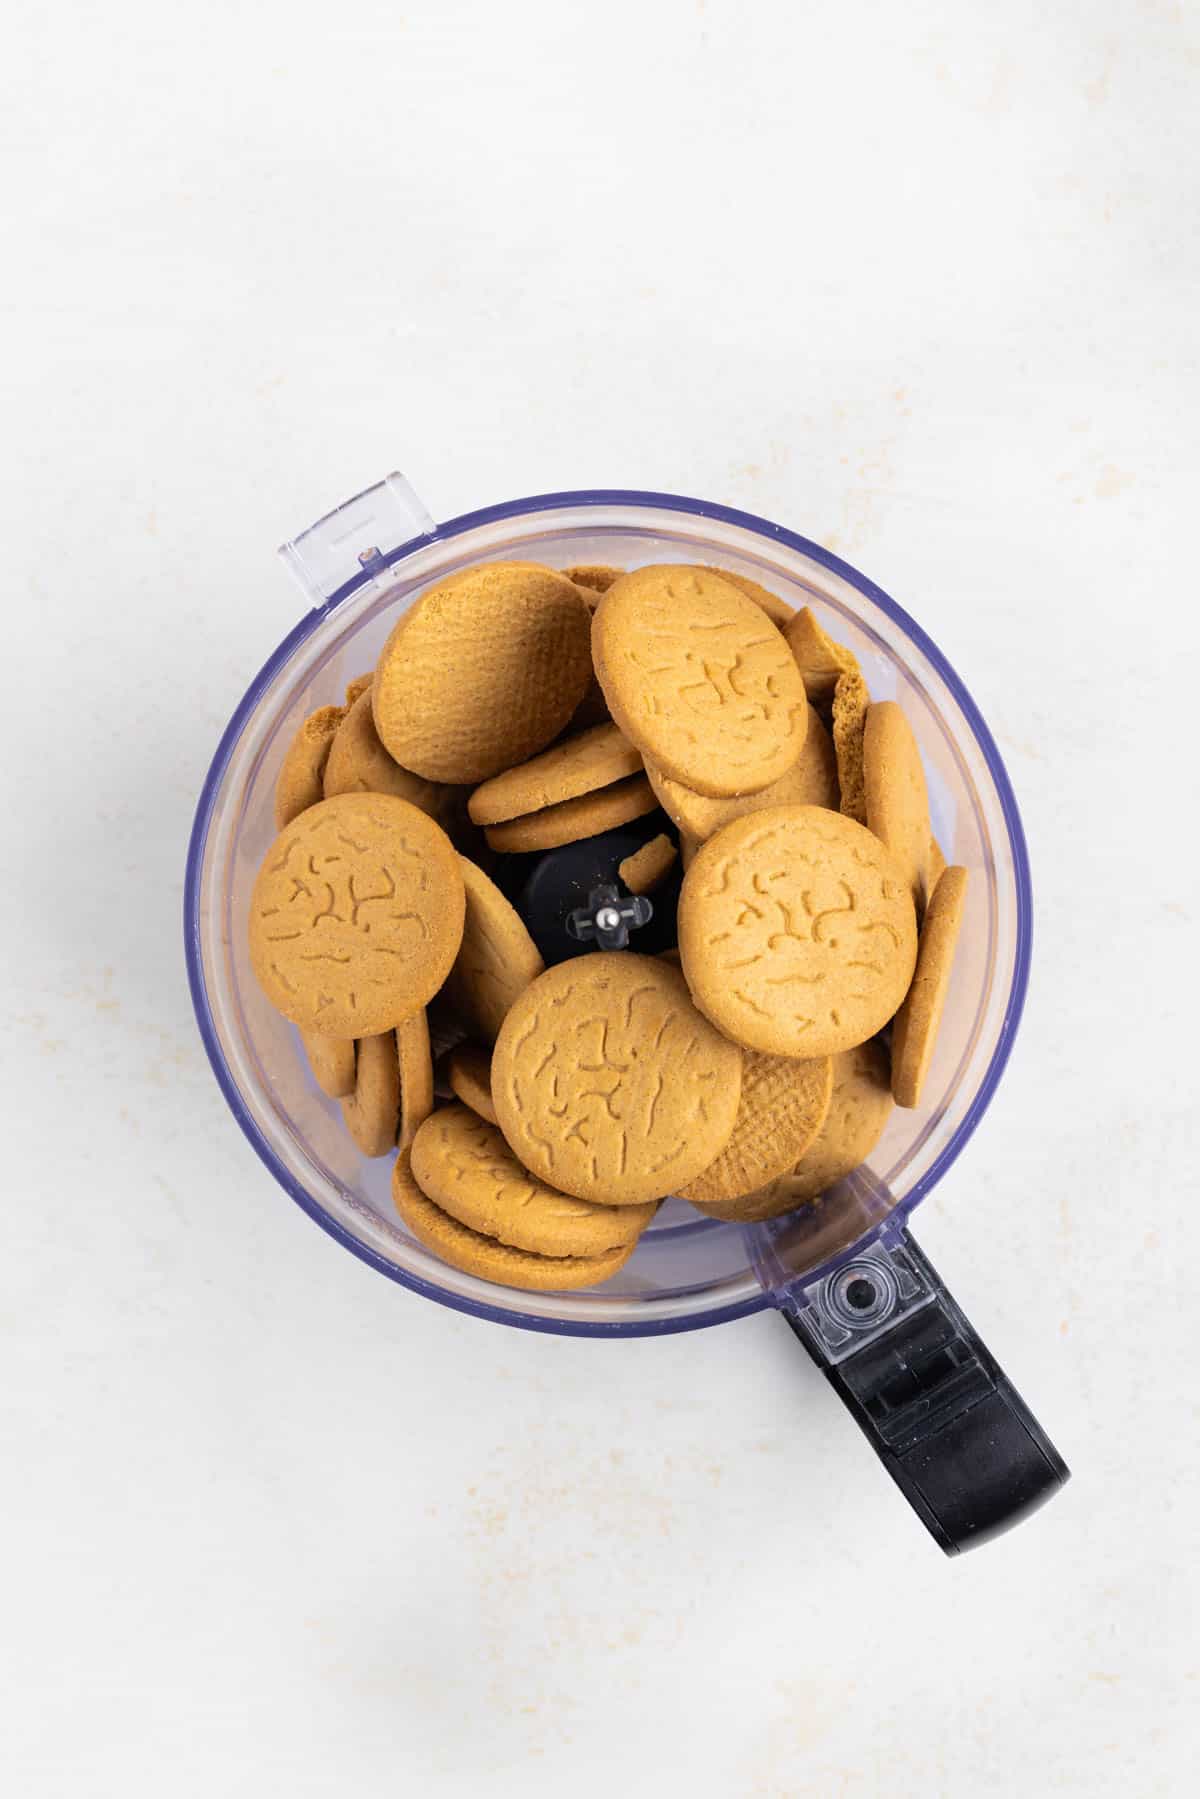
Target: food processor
x=845, y=1274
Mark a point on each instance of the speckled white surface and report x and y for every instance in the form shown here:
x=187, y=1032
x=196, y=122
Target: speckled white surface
x=917, y=281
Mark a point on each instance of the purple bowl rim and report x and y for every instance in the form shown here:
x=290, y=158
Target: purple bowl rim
x=648, y=501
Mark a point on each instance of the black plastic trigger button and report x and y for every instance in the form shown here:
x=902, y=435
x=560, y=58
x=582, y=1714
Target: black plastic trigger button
x=607, y=919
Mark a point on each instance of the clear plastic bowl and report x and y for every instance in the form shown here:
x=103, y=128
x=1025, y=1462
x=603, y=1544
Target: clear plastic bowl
x=362, y=566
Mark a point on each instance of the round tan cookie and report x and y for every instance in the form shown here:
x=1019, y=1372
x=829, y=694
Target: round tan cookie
x=465, y=1166
x=859, y=1109
x=416, y=1075
x=577, y=765
x=609, y=1084
x=482, y=671
x=483, y=1256
x=811, y=781
x=797, y=932
x=358, y=763
x=332, y=1062
x=358, y=686
x=783, y=1104
x=469, y=1072
x=299, y=782
x=777, y=610
x=373, y=1109
x=915, y=1031
x=498, y=957
x=356, y=914
x=820, y=660
x=894, y=789
x=591, y=813
x=648, y=867
x=699, y=678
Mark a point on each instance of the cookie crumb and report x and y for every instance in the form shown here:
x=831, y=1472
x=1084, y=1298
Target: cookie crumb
x=648, y=867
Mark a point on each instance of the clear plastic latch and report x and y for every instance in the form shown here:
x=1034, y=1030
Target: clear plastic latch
x=355, y=545
x=866, y=1296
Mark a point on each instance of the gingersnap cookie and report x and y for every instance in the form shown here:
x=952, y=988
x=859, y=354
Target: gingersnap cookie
x=486, y=1258
x=777, y=610
x=465, y=1166
x=850, y=705
x=699, y=679
x=469, y=1073
x=594, y=577
x=332, y=1062
x=821, y=661
x=372, y=1111
x=484, y=670
x=356, y=688
x=567, y=822
x=648, y=867
x=299, y=783
x=797, y=931
x=608, y=1083
x=858, y=1110
x=356, y=914
x=497, y=959
x=358, y=763
x=811, y=781
x=416, y=1075
x=577, y=765
x=935, y=868
x=897, y=801
x=914, y=1033
x=782, y=1107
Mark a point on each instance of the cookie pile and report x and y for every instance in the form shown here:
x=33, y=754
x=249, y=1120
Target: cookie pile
x=538, y=1116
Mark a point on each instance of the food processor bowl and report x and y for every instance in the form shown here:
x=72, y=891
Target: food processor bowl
x=845, y=1273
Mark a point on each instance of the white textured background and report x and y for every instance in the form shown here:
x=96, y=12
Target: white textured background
x=919, y=281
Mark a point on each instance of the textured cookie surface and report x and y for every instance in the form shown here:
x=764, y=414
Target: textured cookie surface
x=797, y=931
x=777, y=610
x=465, y=1166
x=483, y=671
x=811, y=781
x=300, y=782
x=416, y=1075
x=497, y=959
x=699, y=678
x=897, y=803
x=820, y=660
x=356, y=914
x=858, y=1110
x=358, y=763
x=576, y=765
x=553, y=826
x=469, y=1073
x=483, y=1256
x=916, y=1027
x=783, y=1104
x=648, y=867
x=372, y=1111
x=332, y=1062
x=609, y=1084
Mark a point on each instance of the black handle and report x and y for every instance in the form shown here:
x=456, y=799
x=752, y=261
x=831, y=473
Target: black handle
x=946, y=1422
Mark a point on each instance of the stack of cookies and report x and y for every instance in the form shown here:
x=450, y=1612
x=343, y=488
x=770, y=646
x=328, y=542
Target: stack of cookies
x=538, y=1116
